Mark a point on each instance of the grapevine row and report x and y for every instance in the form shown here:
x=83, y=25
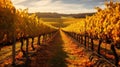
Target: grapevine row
x=19, y=25
x=103, y=26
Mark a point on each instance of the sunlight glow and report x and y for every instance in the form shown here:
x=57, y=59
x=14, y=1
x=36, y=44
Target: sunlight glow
x=50, y=6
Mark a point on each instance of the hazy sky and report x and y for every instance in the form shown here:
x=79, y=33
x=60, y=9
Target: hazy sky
x=59, y=6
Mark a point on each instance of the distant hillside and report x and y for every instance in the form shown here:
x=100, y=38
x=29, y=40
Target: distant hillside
x=57, y=15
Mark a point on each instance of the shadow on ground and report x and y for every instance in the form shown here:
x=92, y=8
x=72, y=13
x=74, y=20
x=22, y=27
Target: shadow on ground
x=50, y=55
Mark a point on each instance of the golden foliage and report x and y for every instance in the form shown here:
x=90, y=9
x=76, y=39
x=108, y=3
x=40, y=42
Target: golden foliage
x=104, y=24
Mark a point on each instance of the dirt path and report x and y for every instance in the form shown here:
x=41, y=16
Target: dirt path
x=51, y=54
x=77, y=55
x=63, y=51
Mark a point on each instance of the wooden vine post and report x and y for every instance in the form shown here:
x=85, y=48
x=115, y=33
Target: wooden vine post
x=14, y=40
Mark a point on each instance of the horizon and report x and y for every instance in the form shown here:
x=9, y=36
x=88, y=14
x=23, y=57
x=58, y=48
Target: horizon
x=60, y=13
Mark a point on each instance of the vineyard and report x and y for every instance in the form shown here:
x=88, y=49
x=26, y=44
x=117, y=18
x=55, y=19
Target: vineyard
x=29, y=41
x=104, y=26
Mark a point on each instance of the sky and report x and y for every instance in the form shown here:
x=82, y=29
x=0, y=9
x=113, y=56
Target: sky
x=59, y=6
